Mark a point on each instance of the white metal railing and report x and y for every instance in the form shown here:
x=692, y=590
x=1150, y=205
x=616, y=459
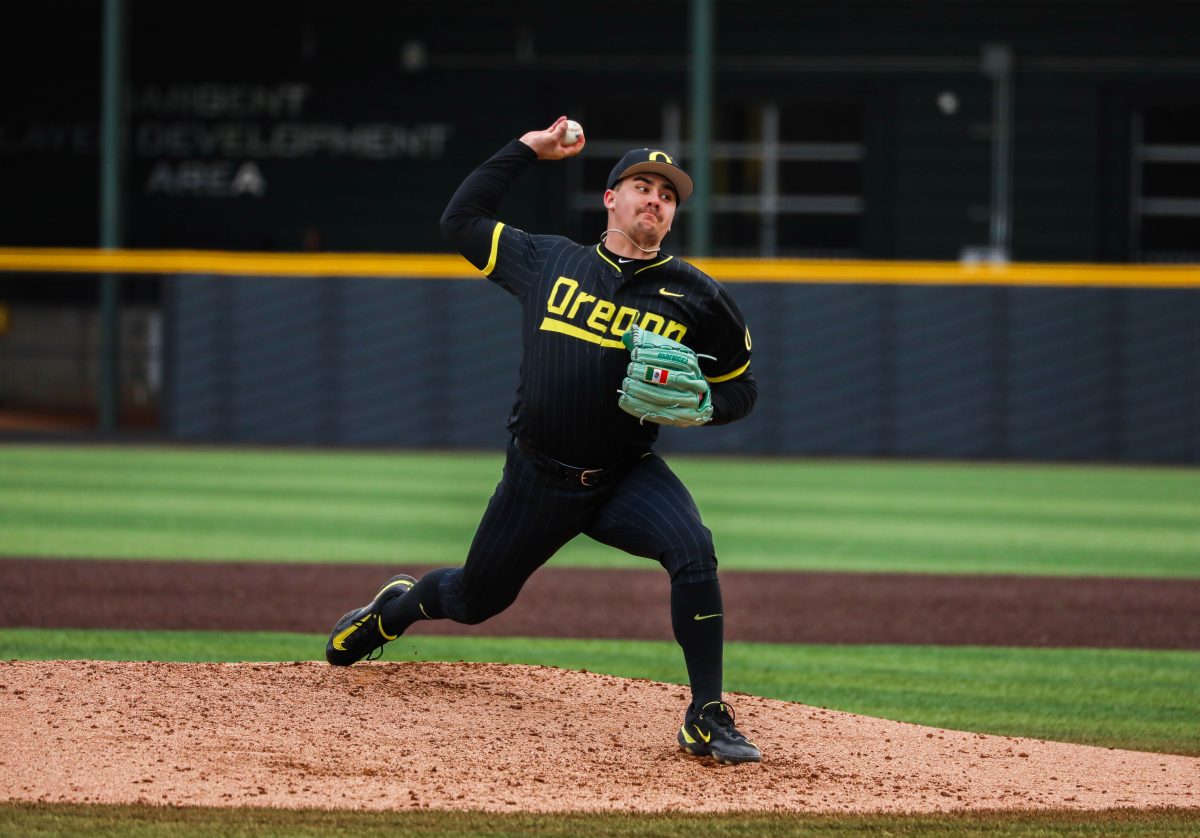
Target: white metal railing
x=768, y=202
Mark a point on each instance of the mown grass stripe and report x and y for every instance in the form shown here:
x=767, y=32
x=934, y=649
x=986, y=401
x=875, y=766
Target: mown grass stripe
x=109, y=821
x=272, y=505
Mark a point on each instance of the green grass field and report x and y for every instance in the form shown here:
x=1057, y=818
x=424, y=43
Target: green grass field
x=43, y=820
x=766, y=514
x=392, y=507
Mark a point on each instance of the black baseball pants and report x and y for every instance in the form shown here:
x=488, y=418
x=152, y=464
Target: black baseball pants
x=647, y=512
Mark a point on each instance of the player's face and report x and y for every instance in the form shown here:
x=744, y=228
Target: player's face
x=642, y=205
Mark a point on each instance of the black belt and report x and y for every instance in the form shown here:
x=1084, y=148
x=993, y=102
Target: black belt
x=589, y=477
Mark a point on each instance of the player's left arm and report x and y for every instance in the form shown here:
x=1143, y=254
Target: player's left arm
x=727, y=338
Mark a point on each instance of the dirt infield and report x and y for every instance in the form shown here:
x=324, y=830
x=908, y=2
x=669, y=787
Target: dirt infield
x=773, y=607
x=506, y=738
x=535, y=739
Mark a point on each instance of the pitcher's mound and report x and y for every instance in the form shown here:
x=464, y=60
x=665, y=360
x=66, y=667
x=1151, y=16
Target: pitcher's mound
x=506, y=738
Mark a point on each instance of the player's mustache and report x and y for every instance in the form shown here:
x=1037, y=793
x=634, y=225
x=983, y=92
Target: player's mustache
x=652, y=211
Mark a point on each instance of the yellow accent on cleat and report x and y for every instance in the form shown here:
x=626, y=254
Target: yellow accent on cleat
x=340, y=641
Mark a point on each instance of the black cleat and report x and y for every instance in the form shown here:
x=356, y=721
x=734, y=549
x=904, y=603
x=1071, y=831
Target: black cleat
x=709, y=731
x=360, y=632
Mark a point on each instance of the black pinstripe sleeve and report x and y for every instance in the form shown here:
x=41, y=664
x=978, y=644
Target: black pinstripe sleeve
x=469, y=222
x=733, y=399
x=726, y=336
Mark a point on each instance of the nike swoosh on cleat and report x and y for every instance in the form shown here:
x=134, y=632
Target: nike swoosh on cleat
x=339, y=642
x=700, y=733
x=698, y=617
x=667, y=293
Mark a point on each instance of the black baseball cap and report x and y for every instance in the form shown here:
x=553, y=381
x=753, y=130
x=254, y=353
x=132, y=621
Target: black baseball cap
x=652, y=160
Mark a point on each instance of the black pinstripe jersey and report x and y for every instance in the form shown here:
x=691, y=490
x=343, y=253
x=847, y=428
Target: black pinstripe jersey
x=577, y=300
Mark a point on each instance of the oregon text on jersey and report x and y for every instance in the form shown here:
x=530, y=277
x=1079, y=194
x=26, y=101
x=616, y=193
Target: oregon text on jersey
x=569, y=311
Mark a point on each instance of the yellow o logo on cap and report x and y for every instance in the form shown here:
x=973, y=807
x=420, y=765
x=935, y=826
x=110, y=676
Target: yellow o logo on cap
x=654, y=155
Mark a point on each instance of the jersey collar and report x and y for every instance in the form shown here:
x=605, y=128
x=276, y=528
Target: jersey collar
x=630, y=267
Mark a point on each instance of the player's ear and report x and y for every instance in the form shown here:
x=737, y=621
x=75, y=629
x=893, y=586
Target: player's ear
x=610, y=200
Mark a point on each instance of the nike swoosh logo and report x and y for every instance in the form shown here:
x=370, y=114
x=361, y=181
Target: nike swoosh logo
x=702, y=735
x=339, y=642
x=623, y=261
x=698, y=618
x=667, y=293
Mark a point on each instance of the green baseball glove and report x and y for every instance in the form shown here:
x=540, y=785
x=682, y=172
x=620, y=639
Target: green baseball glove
x=663, y=382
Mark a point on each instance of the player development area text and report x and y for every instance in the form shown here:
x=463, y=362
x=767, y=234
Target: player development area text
x=291, y=140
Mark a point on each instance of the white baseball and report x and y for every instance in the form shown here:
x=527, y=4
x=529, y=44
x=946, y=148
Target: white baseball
x=574, y=129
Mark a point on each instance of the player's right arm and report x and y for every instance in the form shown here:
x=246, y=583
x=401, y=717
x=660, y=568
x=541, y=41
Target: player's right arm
x=469, y=223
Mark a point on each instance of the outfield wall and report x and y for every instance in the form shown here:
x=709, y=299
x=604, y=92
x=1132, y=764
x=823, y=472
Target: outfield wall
x=861, y=369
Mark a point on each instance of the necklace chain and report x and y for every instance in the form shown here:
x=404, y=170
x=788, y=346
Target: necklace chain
x=631, y=241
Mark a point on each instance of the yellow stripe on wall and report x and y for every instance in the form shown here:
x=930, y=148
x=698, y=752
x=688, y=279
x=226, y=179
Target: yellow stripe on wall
x=451, y=266
x=416, y=266
x=949, y=273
